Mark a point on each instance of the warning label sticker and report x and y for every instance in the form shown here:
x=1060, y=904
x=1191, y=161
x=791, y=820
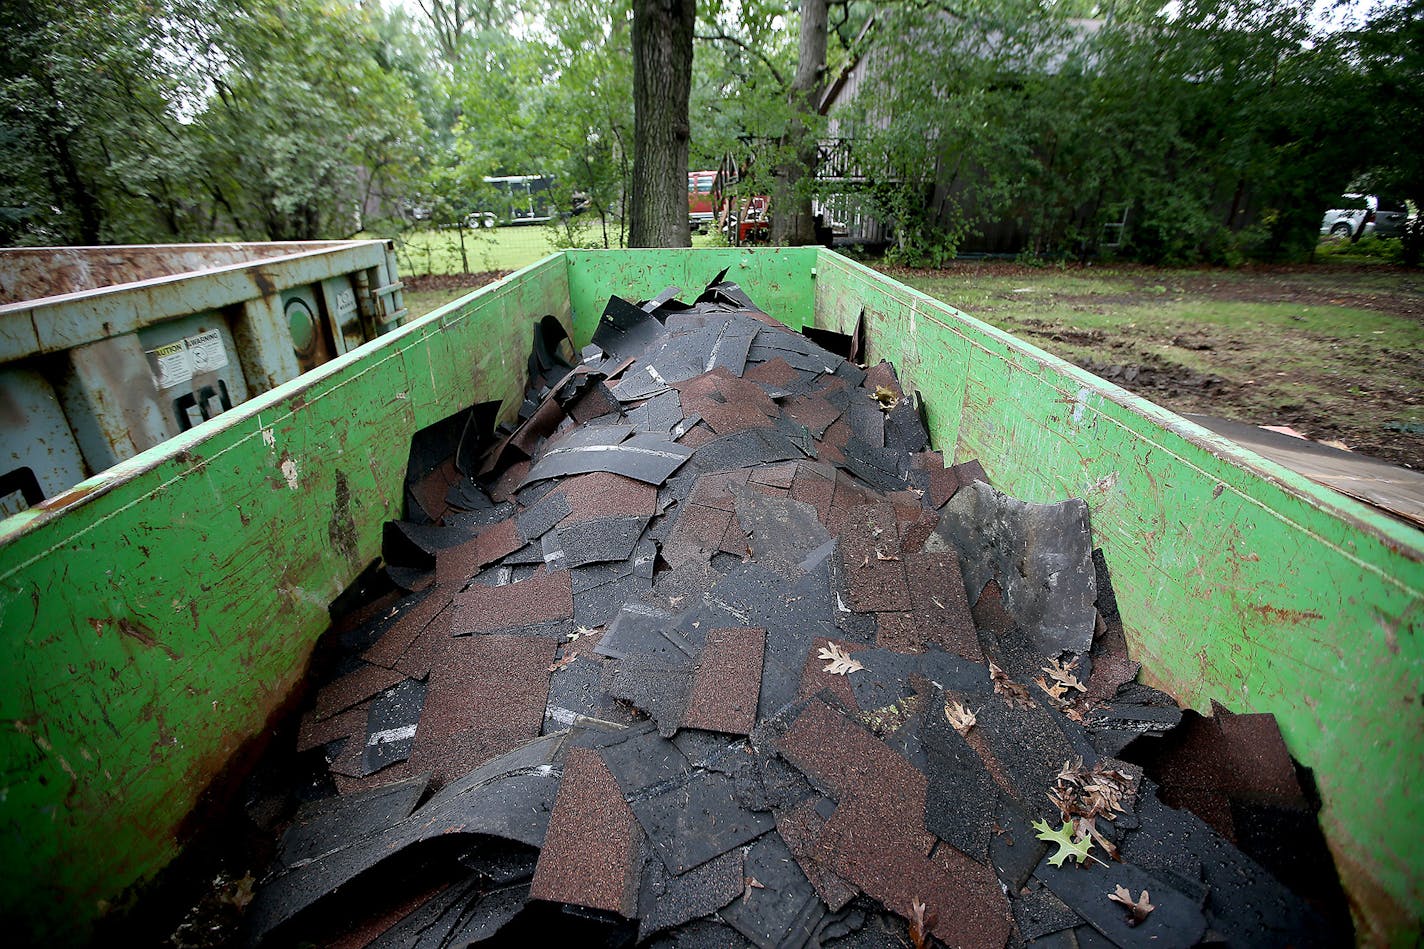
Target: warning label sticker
x=207, y=351
x=176, y=363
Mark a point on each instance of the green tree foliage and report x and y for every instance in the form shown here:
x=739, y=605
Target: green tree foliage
x=548, y=92
x=1220, y=128
x=142, y=120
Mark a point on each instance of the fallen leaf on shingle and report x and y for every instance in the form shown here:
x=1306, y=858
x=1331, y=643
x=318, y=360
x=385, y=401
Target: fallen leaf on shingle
x=840, y=660
x=1011, y=692
x=1062, y=673
x=752, y=883
x=881, y=555
x=1099, y=791
x=960, y=717
x=1137, y=908
x=1055, y=691
x=240, y=893
x=920, y=925
x=1063, y=837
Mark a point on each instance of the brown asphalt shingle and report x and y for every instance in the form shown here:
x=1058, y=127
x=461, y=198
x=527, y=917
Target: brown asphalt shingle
x=455, y=565
x=487, y=694
x=870, y=553
x=605, y=494
x=696, y=535
x=801, y=828
x=714, y=489
x=543, y=597
x=592, y=853
x=353, y=688
x=774, y=372
x=727, y=681
x=407, y=628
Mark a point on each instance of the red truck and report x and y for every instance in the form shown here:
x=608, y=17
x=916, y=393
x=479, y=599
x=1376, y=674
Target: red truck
x=701, y=208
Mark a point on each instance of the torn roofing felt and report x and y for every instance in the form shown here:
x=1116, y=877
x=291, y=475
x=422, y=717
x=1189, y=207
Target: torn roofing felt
x=732, y=658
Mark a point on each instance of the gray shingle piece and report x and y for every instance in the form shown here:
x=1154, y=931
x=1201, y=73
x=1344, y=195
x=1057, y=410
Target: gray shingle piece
x=390, y=725
x=1177, y=920
x=669, y=900
x=646, y=458
x=600, y=540
x=325, y=826
x=784, y=910
x=696, y=820
x=733, y=345
x=642, y=630
x=539, y=519
x=741, y=449
x=658, y=415
x=1040, y=554
x=655, y=686
x=626, y=331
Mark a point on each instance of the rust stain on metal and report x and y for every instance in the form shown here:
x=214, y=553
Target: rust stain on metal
x=341, y=529
x=146, y=636
x=1281, y=615
x=66, y=498
x=265, y=285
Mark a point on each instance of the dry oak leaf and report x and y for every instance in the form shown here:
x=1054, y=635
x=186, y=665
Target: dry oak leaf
x=1011, y=692
x=840, y=660
x=960, y=717
x=1055, y=691
x=1063, y=837
x=920, y=925
x=1062, y=673
x=1137, y=908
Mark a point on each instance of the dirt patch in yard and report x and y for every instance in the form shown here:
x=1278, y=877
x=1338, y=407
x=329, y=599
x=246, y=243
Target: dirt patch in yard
x=1347, y=396
x=427, y=283
x=1219, y=342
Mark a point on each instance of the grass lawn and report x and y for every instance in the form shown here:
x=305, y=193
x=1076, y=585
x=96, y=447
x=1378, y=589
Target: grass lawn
x=1330, y=350
x=435, y=273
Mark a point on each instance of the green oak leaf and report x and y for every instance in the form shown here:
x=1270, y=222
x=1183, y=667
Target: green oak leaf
x=1063, y=837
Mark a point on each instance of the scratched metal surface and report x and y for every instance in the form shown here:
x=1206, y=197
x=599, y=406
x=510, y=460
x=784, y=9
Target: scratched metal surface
x=156, y=615
x=1237, y=579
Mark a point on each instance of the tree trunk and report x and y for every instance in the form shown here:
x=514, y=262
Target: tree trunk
x=791, y=213
x=662, y=81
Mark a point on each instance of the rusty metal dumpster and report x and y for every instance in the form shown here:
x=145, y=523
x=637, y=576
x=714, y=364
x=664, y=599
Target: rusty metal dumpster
x=156, y=616
x=107, y=351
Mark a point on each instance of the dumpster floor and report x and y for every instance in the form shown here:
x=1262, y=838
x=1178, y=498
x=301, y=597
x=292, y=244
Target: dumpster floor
x=714, y=650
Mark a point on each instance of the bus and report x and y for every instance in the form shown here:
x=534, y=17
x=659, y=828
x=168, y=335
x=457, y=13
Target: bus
x=522, y=199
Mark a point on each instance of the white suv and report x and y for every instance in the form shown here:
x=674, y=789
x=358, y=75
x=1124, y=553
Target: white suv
x=1383, y=217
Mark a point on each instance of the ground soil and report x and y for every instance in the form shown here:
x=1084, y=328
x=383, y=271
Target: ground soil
x=429, y=283
x=1362, y=396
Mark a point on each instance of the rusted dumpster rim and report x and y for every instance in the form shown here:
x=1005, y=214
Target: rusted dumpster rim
x=309, y=248
x=287, y=396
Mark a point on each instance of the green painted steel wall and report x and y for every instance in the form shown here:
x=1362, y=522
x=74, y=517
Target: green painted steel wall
x=154, y=617
x=783, y=278
x=1238, y=581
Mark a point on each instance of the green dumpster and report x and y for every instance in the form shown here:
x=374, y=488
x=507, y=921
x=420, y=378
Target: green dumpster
x=158, y=616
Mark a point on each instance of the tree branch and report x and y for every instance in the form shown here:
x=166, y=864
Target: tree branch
x=724, y=38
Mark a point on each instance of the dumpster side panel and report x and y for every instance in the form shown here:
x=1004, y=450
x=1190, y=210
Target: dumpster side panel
x=155, y=616
x=784, y=278
x=1238, y=581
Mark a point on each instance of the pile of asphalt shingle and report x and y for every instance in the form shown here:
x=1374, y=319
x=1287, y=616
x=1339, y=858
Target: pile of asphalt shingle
x=712, y=650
